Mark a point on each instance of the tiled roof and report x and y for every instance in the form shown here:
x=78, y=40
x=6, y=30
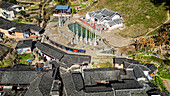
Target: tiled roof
x=126, y=84
x=48, y=49
x=122, y=93
x=91, y=77
x=69, y=84
x=6, y=5
x=138, y=72
x=116, y=21
x=68, y=59
x=152, y=67
x=92, y=89
x=76, y=86
x=24, y=44
x=62, y=7
x=121, y=60
x=18, y=27
x=107, y=12
x=39, y=82
x=78, y=80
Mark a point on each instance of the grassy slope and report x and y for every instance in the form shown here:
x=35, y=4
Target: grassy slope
x=139, y=15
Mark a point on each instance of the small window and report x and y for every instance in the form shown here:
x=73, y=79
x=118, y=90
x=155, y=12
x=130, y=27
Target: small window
x=120, y=64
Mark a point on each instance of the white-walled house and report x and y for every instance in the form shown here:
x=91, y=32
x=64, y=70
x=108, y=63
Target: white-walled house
x=24, y=46
x=108, y=18
x=9, y=10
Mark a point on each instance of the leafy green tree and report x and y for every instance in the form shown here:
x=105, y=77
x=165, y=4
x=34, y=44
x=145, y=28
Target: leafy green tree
x=62, y=2
x=13, y=1
x=22, y=13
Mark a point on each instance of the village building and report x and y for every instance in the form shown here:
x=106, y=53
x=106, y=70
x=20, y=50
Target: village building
x=24, y=46
x=19, y=30
x=24, y=80
x=52, y=53
x=62, y=10
x=105, y=18
x=105, y=82
x=140, y=70
x=9, y=10
x=153, y=69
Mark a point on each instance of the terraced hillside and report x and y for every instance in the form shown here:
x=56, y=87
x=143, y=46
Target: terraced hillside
x=140, y=16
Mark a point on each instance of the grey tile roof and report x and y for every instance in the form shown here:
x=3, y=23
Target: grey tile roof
x=6, y=5
x=126, y=64
x=78, y=81
x=138, y=72
x=19, y=27
x=107, y=12
x=15, y=77
x=152, y=68
x=39, y=82
x=121, y=60
x=126, y=84
x=24, y=44
x=90, y=13
x=91, y=77
x=92, y=89
x=100, y=94
x=122, y=93
x=48, y=49
x=129, y=75
x=144, y=68
x=73, y=84
x=68, y=59
x=98, y=16
x=104, y=13
x=132, y=66
x=68, y=84
x=157, y=92
x=116, y=21
x=139, y=94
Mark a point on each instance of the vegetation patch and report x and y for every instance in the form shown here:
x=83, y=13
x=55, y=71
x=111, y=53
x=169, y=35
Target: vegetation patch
x=103, y=65
x=23, y=62
x=25, y=56
x=157, y=81
x=33, y=7
x=164, y=72
x=28, y=1
x=139, y=16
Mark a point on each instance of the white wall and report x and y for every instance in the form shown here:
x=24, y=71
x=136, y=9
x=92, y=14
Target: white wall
x=18, y=7
x=142, y=78
x=116, y=26
x=24, y=50
x=116, y=17
x=8, y=12
x=87, y=16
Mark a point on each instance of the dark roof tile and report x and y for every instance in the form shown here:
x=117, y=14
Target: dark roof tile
x=19, y=27
x=152, y=67
x=24, y=44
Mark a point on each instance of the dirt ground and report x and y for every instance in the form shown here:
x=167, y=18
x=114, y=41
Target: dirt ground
x=167, y=84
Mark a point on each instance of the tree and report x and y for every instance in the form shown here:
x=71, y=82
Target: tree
x=62, y=2
x=22, y=13
x=13, y=1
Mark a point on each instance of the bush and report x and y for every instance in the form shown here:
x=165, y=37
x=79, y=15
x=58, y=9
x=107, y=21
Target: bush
x=22, y=13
